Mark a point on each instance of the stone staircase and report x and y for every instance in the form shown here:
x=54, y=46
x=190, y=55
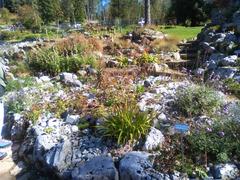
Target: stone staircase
x=189, y=56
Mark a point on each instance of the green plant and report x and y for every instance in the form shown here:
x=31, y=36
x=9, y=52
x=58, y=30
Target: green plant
x=198, y=100
x=222, y=157
x=29, y=17
x=19, y=68
x=34, y=114
x=15, y=85
x=48, y=130
x=140, y=89
x=83, y=125
x=16, y=106
x=200, y=172
x=191, y=169
x=218, y=143
x=233, y=86
x=60, y=107
x=5, y=15
x=126, y=123
x=51, y=61
x=123, y=61
x=146, y=58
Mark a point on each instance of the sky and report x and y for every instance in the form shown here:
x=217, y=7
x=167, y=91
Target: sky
x=104, y=3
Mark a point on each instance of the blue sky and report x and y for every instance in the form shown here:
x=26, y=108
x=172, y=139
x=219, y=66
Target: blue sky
x=104, y=2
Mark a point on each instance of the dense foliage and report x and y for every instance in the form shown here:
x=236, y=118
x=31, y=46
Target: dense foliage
x=114, y=11
x=198, y=100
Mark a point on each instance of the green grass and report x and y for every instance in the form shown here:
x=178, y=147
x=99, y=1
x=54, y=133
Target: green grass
x=17, y=36
x=181, y=32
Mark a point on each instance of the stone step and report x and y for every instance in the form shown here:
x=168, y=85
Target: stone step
x=174, y=74
x=188, y=50
x=188, y=56
x=177, y=65
x=185, y=45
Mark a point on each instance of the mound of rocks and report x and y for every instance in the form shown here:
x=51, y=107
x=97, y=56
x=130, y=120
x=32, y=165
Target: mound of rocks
x=220, y=43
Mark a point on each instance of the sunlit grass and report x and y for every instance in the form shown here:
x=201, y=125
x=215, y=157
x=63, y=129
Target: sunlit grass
x=181, y=32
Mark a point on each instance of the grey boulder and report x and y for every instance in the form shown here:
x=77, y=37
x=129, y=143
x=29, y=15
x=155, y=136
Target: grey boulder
x=229, y=61
x=225, y=73
x=59, y=157
x=225, y=171
x=70, y=79
x=99, y=168
x=138, y=166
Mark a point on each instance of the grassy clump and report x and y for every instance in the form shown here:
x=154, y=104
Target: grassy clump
x=198, y=100
x=126, y=123
x=67, y=55
x=15, y=85
x=146, y=58
x=51, y=62
x=233, y=86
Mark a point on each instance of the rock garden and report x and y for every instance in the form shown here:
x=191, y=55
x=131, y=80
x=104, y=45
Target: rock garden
x=106, y=106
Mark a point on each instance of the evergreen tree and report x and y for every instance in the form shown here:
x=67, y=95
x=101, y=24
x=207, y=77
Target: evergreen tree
x=193, y=11
x=79, y=10
x=48, y=9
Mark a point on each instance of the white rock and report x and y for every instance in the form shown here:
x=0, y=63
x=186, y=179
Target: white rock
x=74, y=128
x=154, y=140
x=45, y=79
x=162, y=117
x=72, y=119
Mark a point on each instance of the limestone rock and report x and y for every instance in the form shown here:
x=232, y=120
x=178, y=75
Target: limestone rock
x=138, y=165
x=154, y=140
x=99, y=168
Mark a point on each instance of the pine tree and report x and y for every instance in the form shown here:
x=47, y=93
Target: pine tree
x=79, y=10
x=47, y=9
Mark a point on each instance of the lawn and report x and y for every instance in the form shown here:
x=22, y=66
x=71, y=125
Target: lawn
x=181, y=32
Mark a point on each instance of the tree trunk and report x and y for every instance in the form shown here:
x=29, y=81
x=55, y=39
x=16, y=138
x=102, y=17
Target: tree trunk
x=147, y=12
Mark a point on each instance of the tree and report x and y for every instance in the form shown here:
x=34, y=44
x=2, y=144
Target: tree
x=147, y=11
x=5, y=15
x=29, y=17
x=125, y=10
x=192, y=11
x=160, y=10
x=79, y=10
x=49, y=10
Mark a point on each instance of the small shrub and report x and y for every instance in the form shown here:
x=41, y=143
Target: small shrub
x=220, y=141
x=222, y=157
x=233, y=86
x=146, y=58
x=60, y=107
x=34, y=114
x=140, y=89
x=20, y=69
x=48, y=130
x=123, y=61
x=51, y=62
x=29, y=17
x=15, y=85
x=10, y=35
x=198, y=100
x=126, y=123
